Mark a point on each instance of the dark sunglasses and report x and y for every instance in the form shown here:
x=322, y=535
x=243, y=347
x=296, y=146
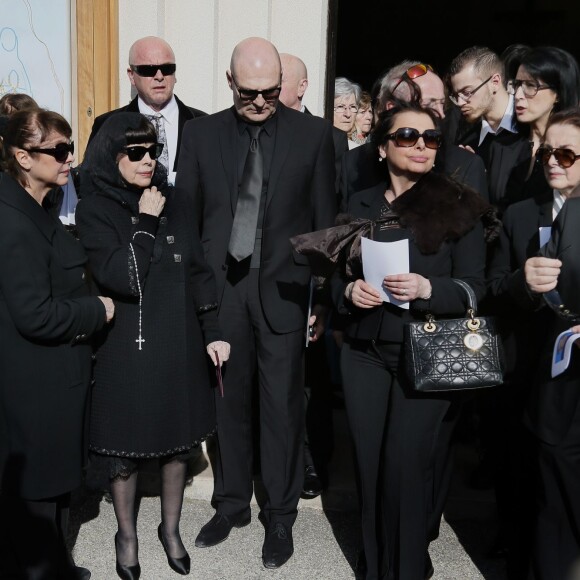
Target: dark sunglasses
x=408, y=137
x=137, y=152
x=252, y=95
x=150, y=70
x=564, y=157
x=60, y=151
x=414, y=72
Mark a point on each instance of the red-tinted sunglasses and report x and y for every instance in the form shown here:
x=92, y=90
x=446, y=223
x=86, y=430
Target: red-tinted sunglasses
x=414, y=72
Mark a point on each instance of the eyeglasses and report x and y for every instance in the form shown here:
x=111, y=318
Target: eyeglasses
x=150, y=70
x=465, y=95
x=408, y=137
x=252, y=94
x=529, y=88
x=137, y=152
x=414, y=72
x=564, y=157
x=343, y=108
x=60, y=151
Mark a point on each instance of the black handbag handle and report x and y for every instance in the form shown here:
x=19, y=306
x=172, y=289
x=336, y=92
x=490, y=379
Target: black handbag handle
x=471, y=299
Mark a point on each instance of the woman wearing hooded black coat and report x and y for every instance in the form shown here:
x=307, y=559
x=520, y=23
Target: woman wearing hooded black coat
x=152, y=395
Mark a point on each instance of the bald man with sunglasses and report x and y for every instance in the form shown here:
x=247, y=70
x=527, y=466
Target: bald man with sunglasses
x=152, y=71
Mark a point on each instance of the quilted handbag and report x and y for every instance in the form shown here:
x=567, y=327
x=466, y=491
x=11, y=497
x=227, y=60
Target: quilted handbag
x=453, y=354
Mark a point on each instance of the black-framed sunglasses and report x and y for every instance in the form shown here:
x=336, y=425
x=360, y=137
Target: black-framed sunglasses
x=414, y=72
x=529, y=88
x=464, y=95
x=150, y=70
x=252, y=94
x=137, y=152
x=408, y=137
x=564, y=157
x=60, y=151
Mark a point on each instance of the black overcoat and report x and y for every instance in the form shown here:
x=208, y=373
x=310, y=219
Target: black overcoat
x=46, y=316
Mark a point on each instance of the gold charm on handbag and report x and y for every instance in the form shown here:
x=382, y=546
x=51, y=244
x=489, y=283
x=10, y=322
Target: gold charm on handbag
x=472, y=340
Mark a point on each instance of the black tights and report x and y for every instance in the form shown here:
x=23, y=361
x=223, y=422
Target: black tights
x=123, y=492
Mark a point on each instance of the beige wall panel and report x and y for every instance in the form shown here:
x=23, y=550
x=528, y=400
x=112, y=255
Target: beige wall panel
x=299, y=27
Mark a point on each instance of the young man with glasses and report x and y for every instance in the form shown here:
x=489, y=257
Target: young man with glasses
x=259, y=173
x=152, y=72
x=477, y=88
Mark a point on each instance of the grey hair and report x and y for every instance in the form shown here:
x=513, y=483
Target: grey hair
x=390, y=80
x=343, y=87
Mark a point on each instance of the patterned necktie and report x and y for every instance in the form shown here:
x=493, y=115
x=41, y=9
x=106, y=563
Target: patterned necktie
x=243, y=236
x=159, y=123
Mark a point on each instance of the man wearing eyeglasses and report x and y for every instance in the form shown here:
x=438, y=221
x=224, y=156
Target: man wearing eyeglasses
x=259, y=173
x=152, y=72
x=476, y=79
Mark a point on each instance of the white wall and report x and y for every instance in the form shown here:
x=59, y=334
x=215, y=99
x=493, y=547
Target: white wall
x=203, y=34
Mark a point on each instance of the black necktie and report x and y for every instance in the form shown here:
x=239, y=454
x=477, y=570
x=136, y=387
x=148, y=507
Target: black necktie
x=243, y=236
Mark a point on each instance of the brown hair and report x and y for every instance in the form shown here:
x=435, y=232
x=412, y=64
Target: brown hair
x=12, y=102
x=29, y=128
x=566, y=117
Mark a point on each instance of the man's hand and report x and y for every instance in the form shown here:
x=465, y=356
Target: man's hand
x=317, y=322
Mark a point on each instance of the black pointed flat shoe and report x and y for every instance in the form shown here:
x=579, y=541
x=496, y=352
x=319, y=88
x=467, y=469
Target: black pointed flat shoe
x=179, y=565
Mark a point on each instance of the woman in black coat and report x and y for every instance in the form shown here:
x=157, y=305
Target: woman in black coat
x=395, y=430
x=152, y=396
x=46, y=317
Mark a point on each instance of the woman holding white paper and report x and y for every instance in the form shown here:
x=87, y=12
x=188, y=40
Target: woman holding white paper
x=394, y=430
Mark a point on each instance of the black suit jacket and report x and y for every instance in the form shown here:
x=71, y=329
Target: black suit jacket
x=340, y=141
x=521, y=325
x=300, y=198
x=509, y=162
x=185, y=114
x=361, y=169
x=46, y=315
x=554, y=402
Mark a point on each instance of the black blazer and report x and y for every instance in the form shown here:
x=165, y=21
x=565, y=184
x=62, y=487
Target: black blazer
x=300, y=198
x=185, y=114
x=340, y=141
x=464, y=259
x=509, y=162
x=46, y=315
x=361, y=169
x=521, y=325
x=554, y=402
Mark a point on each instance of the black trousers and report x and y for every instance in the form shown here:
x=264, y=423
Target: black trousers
x=279, y=361
x=557, y=542
x=32, y=539
x=395, y=435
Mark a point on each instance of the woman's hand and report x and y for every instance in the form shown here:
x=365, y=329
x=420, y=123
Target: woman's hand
x=542, y=274
x=218, y=349
x=109, y=307
x=363, y=295
x=151, y=202
x=406, y=287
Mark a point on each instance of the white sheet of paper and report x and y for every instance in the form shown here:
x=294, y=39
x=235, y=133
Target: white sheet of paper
x=562, y=351
x=382, y=259
x=545, y=233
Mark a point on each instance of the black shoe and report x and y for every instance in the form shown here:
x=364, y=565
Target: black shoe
x=312, y=485
x=127, y=572
x=179, y=565
x=278, y=545
x=429, y=570
x=219, y=528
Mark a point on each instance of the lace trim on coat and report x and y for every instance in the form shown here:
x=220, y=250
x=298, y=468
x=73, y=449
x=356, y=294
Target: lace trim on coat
x=133, y=286
x=137, y=455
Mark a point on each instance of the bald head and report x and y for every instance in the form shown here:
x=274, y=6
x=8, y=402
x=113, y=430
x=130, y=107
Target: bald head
x=294, y=81
x=148, y=45
x=255, y=66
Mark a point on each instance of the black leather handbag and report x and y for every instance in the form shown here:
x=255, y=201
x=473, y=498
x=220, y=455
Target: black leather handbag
x=453, y=354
